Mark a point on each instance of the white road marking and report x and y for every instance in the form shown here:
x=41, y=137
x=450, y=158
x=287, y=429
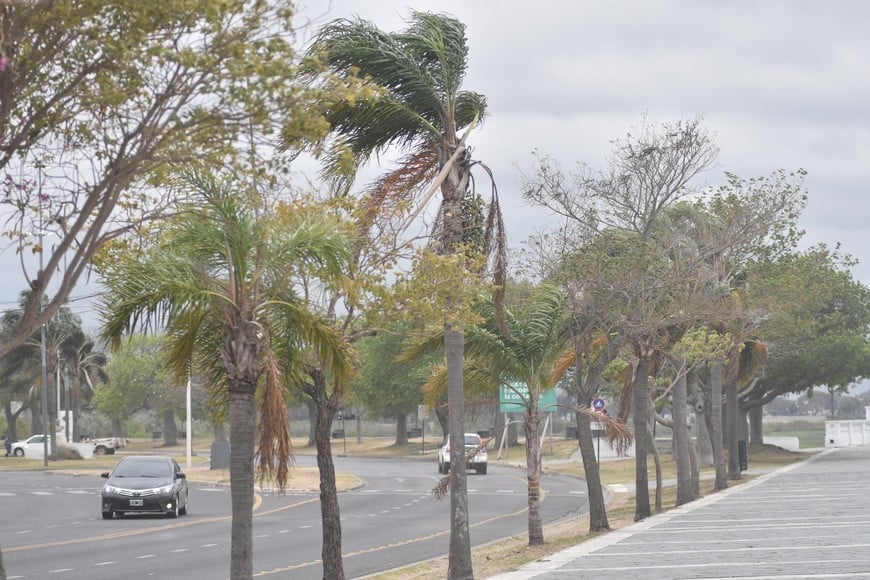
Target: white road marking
x=104, y=563
x=179, y=550
x=208, y=545
x=145, y=556
x=60, y=570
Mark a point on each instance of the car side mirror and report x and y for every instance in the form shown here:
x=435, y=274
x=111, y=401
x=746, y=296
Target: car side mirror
x=105, y=475
x=180, y=475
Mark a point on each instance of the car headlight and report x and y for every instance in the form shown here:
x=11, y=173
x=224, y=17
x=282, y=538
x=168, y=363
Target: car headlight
x=111, y=489
x=166, y=489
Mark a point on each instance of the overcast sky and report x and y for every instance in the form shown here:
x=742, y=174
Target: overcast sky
x=782, y=85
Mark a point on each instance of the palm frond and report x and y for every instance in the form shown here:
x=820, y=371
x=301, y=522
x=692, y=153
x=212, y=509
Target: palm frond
x=274, y=449
x=617, y=434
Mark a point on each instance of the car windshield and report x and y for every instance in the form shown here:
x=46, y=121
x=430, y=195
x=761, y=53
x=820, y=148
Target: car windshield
x=472, y=440
x=142, y=468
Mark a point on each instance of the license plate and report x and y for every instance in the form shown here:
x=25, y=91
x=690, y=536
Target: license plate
x=136, y=503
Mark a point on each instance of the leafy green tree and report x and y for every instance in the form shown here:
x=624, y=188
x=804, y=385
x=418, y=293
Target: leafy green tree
x=816, y=322
x=389, y=388
x=223, y=281
x=418, y=105
x=134, y=371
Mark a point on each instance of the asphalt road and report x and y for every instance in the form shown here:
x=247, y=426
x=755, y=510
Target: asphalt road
x=810, y=520
x=50, y=525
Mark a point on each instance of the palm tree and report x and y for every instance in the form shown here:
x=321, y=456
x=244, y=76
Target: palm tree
x=222, y=282
x=84, y=363
x=418, y=105
x=536, y=352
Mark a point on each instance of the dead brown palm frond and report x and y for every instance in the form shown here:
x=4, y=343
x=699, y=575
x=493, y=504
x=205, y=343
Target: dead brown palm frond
x=565, y=361
x=495, y=244
x=441, y=489
x=274, y=448
x=616, y=433
x=400, y=186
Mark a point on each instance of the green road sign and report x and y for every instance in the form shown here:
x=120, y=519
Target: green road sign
x=511, y=399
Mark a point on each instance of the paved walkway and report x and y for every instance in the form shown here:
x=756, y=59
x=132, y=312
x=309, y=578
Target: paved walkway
x=807, y=520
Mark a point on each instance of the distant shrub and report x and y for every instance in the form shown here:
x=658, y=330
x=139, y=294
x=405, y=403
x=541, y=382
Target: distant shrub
x=67, y=453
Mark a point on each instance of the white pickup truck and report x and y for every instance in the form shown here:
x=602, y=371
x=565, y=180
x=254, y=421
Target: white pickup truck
x=33, y=446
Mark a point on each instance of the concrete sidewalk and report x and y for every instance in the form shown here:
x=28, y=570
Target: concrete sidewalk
x=806, y=520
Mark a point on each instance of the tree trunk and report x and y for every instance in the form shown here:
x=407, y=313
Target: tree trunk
x=499, y=428
x=732, y=429
x=117, y=427
x=716, y=424
x=640, y=415
x=532, y=423
x=597, y=507
x=401, y=429
x=76, y=405
x=513, y=432
x=330, y=515
x=756, y=428
x=170, y=431
x=36, y=425
x=441, y=414
x=685, y=492
x=359, y=437
x=243, y=421
x=51, y=428
x=459, y=559
x=312, y=423
x=703, y=444
x=657, y=462
x=240, y=354
x=11, y=418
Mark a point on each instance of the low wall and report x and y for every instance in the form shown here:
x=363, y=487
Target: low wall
x=847, y=433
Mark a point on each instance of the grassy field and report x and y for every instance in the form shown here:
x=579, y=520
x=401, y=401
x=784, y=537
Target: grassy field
x=811, y=434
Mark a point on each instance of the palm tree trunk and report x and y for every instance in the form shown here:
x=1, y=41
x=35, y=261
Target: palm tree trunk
x=597, y=507
x=640, y=414
x=532, y=424
x=243, y=421
x=459, y=560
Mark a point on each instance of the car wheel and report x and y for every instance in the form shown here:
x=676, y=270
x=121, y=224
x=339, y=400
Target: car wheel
x=18, y=452
x=447, y=467
x=481, y=470
x=100, y=450
x=183, y=511
x=119, y=514
x=107, y=515
x=173, y=513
